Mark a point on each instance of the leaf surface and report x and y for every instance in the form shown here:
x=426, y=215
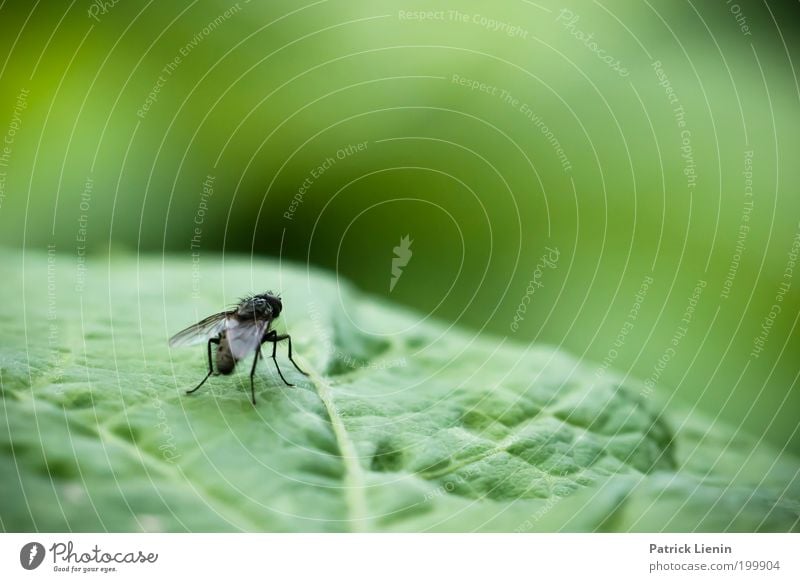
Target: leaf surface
x=404, y=424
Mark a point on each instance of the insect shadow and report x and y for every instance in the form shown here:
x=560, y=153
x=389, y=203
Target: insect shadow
x=237, y=333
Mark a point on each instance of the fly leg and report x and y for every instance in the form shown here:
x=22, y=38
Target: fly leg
x=213, y=340
x=272, y=336
x=252, y=373
x=280, y=338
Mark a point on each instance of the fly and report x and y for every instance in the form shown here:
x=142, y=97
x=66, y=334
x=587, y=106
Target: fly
x=237, y=333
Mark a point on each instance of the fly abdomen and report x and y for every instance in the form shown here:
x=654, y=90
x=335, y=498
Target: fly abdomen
x=225, y=360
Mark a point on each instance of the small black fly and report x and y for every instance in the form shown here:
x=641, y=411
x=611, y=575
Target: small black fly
x=238, y=333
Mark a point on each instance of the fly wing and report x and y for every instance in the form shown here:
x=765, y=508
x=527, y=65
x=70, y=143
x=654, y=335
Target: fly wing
x=244, y=336
x=201, y=331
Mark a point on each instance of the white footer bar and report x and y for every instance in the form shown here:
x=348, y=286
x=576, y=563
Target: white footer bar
x=401, y=557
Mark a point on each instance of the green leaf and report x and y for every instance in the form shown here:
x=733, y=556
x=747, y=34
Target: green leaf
x=404, y=424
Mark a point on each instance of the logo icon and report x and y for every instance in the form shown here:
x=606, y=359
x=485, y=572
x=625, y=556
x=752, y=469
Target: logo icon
x=402, y=254
x=31, y=555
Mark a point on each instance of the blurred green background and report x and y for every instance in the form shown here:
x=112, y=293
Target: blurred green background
x=638, y=139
